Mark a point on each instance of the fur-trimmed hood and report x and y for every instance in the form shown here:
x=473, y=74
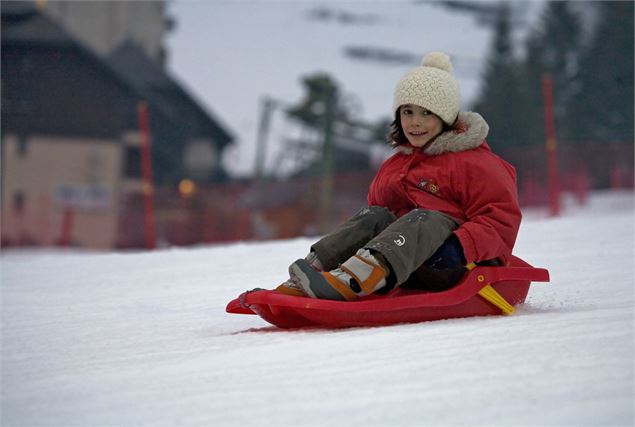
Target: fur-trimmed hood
x=469, y=132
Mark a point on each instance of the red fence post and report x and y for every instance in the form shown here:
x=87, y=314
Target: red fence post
x=146, y=175
x=66, y=231
x=552, y=153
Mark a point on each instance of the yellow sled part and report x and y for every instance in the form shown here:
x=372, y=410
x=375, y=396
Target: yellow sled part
x=491, y=295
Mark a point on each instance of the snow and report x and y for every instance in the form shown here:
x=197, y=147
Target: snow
x=142, y=339
x=229, y=55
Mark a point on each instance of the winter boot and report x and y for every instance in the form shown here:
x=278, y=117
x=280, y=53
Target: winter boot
x=362, y=274
x=292, y=285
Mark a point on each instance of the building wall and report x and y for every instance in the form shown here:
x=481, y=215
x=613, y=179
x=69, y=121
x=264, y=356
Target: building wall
x=46, y=179
x=103, y=25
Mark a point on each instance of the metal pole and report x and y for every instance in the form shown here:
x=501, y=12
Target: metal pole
x=263, y=131
x=327, y=163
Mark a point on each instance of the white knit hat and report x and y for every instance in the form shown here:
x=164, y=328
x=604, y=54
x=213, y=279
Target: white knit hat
x=431, y=86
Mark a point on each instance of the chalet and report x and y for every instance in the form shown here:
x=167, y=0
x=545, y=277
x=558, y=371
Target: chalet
x=70, y=133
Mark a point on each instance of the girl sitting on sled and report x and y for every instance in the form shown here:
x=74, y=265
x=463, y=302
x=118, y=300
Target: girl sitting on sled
x=443, y=201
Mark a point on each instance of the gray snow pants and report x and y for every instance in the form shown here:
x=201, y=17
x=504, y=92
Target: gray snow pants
x=405, y=243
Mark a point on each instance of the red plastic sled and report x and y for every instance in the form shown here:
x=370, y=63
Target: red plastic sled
x=483, y=291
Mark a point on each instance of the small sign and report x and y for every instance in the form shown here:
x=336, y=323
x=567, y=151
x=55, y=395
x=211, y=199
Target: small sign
x=83, y=197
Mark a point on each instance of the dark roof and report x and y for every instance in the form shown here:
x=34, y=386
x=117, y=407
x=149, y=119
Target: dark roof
x=22, y=22
x=149, y=78
x=24, y=25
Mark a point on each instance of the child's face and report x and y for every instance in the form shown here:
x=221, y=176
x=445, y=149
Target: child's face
x=419, y=125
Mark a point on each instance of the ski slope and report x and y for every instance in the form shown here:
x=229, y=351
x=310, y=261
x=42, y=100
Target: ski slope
x=142, y=339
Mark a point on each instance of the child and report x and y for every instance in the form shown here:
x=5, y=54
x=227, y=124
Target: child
x=442, y=201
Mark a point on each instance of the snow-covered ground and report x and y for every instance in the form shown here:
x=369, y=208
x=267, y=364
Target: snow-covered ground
x=142, y=339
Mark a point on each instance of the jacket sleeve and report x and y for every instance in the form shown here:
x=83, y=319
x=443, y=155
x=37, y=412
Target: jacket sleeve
x=490, y=200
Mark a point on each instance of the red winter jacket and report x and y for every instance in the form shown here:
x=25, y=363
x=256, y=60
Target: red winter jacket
x=458, y=175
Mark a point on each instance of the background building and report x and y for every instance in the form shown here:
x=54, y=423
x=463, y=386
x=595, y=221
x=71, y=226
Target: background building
x=71, y=157
x=105, y=25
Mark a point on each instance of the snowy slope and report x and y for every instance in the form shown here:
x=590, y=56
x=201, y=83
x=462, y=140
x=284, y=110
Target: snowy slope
x=142, y=339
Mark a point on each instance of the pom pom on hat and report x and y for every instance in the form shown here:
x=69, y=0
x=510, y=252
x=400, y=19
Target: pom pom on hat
x=431, y=86
x=438, y=60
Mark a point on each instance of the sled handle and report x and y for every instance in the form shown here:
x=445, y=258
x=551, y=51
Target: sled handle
x=491, y=295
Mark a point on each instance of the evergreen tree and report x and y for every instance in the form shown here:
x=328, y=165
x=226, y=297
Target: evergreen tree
x=553, y=49
x=603, y=103
x=532, y=108
x=500, y=98
x=562, y=33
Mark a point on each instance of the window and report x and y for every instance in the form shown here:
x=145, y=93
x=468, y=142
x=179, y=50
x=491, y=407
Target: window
x=133, y=162
x=22, y=145
x=18, y=202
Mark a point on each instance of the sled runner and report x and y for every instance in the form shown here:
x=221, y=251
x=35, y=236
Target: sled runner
x=483, y=291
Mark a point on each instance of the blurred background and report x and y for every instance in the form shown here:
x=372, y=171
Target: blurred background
x=144, y=124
